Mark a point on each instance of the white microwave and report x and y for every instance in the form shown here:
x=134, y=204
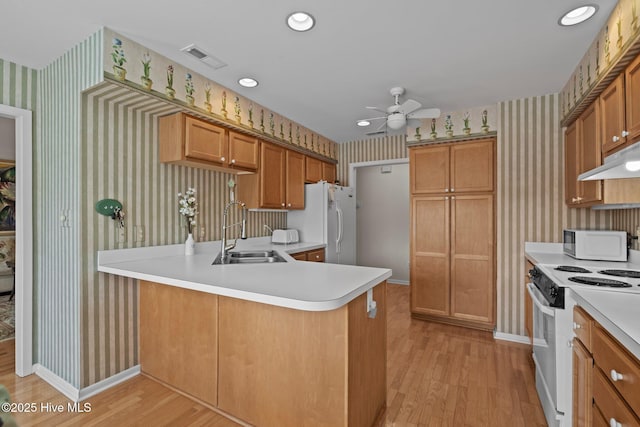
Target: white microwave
x=600, y=245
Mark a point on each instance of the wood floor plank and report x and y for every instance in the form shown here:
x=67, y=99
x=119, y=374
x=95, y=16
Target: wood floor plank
x=437, y=375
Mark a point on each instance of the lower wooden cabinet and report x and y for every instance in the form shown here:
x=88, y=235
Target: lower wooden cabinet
x=453, y=259
x=315, y=255
x=606, y=377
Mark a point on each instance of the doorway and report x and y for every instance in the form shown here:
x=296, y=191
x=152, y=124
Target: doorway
x=382, y=193
x=23, y=237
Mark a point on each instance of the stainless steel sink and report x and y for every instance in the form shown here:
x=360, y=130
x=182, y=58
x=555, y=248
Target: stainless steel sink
x=250, y=257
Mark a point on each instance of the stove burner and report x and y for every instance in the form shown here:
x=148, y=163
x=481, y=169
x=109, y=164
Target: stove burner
x=572, y=269
x=598, y=281
x=633, y=274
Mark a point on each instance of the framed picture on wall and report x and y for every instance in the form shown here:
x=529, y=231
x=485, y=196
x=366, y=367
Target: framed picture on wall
x=7, y=197
x=7, y=253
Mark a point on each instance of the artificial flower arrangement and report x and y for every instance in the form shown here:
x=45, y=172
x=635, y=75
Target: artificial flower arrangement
x=188, y=207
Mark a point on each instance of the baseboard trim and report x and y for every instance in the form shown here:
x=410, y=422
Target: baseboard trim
x=57, y=382
x=76, y=395
x=522, y=339
x=398, y=282
x=101, y=386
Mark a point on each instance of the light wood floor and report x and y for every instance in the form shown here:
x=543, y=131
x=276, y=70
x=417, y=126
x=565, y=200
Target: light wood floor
x=438, y=375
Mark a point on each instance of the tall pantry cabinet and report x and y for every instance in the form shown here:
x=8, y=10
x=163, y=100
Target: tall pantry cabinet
x=453, y=233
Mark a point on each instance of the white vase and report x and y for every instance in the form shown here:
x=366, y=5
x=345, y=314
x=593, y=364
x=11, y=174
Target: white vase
x=189, y=245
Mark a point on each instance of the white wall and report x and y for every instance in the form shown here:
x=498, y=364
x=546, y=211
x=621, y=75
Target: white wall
x=383, y=219
x=7, y=139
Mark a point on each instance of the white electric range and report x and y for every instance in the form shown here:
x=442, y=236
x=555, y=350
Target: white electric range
x=553, y=320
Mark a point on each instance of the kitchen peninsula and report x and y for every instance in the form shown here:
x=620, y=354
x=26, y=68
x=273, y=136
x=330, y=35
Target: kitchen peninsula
x=282, y=344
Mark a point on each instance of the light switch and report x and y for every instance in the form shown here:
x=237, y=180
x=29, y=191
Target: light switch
x=203, y=233
x=138, y=231
x=121, y=235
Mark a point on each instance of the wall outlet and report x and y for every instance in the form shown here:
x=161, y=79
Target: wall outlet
x=121, y=235
x=203, y=233
x=138, y=232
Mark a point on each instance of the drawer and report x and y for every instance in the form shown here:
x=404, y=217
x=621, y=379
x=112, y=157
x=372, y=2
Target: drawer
x=300, y=256
x=610, y=404
x=582, y=326
x=610, y=356
x=597, y=419
x=316, y=256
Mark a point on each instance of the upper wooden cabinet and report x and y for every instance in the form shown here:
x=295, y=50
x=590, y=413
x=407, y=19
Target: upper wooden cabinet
x=612, y=108
x=462, y=167
x=313, y=169
x=582, y=153
x=328, y=172
x=189, y=141
x=620, y=104
x=279, y=183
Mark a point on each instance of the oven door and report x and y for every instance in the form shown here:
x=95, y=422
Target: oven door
x=544, y=346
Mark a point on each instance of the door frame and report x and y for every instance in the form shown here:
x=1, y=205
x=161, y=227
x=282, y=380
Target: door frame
x=24, y=237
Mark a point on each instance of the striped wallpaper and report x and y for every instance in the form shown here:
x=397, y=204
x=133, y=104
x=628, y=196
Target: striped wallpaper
x=119, y=159
x=530, y=201
x=18, y=86
x=57, y=252
x=627, y=220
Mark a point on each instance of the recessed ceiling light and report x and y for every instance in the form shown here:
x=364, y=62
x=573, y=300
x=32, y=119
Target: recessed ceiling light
x=248, y=82
x=300, y=21
x=363, y=123
x=578, y=15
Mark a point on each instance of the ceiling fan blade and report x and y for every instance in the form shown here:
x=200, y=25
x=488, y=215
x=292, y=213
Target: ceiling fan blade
x=377, y=109
x=414, y=123
x=425, y=113
x=372, y=118
x=409, y=106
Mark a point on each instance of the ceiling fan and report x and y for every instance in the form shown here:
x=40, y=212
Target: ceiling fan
x=398, y=115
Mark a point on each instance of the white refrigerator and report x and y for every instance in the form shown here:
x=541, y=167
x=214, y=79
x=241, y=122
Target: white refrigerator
x=329, y=217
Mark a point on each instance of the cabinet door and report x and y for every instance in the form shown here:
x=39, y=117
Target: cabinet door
x=301, y=256
x=204, y=141
x=316, y=255
x=429, y=170
x=590, y=153
x=329, y=172
x=632, y=98
x=571, y=164
x=313, y=170
x=472, y=167
x=613, y=116
x=472, y=255
x=430, y=266
x=243, y=151
x=272, y=176
x=582, y=385
x=295, y=180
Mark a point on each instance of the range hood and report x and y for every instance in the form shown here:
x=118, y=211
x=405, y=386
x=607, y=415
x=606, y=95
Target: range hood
x=623, y=164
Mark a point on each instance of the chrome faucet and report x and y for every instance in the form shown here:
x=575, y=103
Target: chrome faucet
x=243, y=232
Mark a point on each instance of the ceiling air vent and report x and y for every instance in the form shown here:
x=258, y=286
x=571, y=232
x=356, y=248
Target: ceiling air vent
x=200, y=54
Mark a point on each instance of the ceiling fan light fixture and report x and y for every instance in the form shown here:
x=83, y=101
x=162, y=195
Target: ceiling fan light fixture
x=363, y=123
x=396, y=121
x=247, y=82
x=300, y=21
x=578, y=15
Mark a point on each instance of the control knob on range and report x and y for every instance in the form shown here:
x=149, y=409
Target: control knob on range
x=533, y=273
x=553, y=292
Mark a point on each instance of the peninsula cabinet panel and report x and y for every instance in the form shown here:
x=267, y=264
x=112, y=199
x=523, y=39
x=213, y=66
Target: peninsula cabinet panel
x=472, y=166
x=632, y=98
x=472, y=258
x=430, y=266
x=178, y=338
x=612, y=107
x=429, y=169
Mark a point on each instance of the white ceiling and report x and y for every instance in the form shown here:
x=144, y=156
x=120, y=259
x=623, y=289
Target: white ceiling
x=447, y=54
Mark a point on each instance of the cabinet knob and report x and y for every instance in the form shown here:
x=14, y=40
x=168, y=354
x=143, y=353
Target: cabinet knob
x=615, y=138
x=233, y=161
x=615, y=375
x=446, y=190
x=223, y=159
x=283, y=205
x=446, y=197
x=614, y=423
x=452, y=190
x=289, y=205
x=576, y=325
x=317, y=256
x=453, y=197
x=625, y=133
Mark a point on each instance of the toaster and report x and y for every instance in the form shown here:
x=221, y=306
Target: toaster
x=285, y=236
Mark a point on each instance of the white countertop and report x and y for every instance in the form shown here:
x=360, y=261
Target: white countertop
x=616, y=310
x=309, y=286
